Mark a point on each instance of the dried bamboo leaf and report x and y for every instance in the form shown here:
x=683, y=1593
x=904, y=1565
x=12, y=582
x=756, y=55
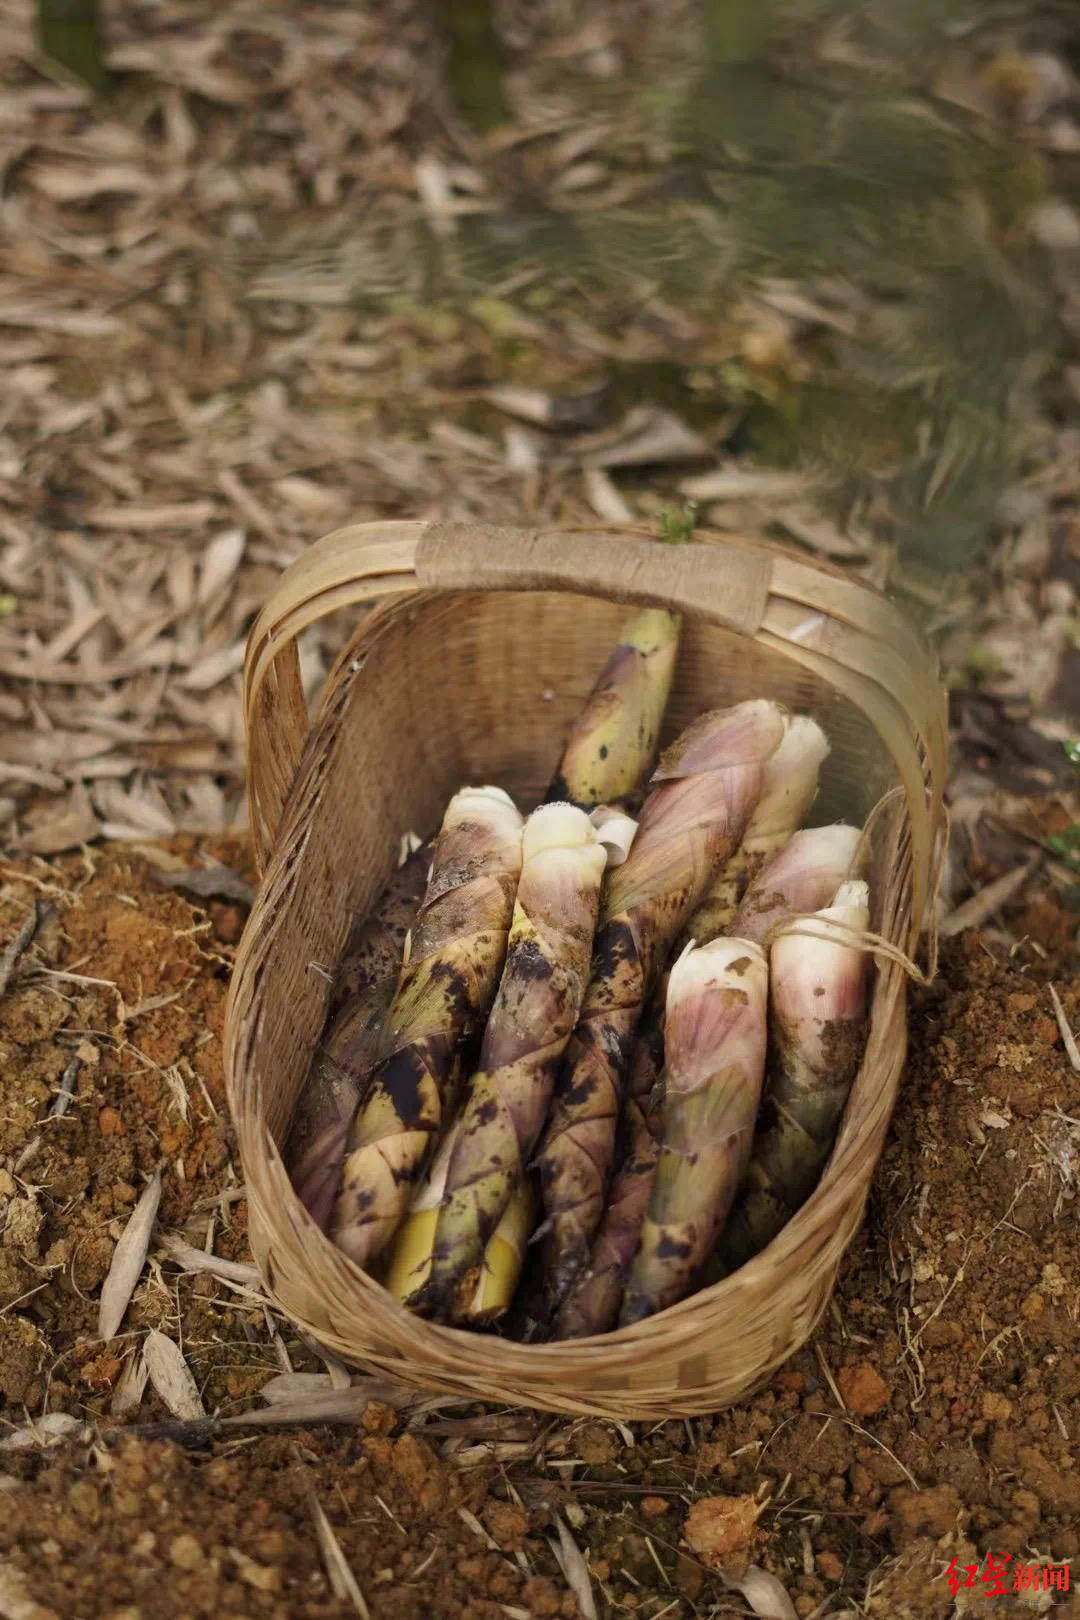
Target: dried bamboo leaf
x=983, y=905
x=572, y=1563
x=215, y=667
x=286, y=1386
x=604, y=496
x=647, y=433
x=130, y=1386
x=341, y=1577
x=44, y=1431
x=171, y=1377
x=65, y=828
x=211, y=882
x=763, y=1592
x=128, y=1259
x=220, y=561
x=189, y=1258
x=332, y=1405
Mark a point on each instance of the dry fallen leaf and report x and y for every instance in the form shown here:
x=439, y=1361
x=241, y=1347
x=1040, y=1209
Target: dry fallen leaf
x=215, y=667
x=763, y=1592
x=734, y=481
x=987, y=901
x=129, y=1387
x=128, y=1259
x=44, y=1431
x=287, y=1386
x=719, y=1527
x=344, y=1582
x=67, y=823
x=211, y=882
x=188, y=1258
x=576, y=1571
x=647, y=433
x=331, y=1405
x=171, y=1378
x=219, y=563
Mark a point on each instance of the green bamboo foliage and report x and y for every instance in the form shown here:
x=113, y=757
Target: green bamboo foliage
x=443, y=995
x=342, y=1065
x=715, y=1036
x=706, y=786
x=613, y=742
x=535, y=1010
x=818, y=992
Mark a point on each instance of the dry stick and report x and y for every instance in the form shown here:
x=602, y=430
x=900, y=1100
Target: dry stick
x=706, y=787
x=345, y=1586
x=1068, y=1039
x=537, y=1006
x=62, y=1101
x=818, y=989
x=716, y=1028
x=444, y=993
x=17, y=944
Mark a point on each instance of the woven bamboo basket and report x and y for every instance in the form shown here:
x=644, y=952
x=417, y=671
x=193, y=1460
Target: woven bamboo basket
x=479, y=646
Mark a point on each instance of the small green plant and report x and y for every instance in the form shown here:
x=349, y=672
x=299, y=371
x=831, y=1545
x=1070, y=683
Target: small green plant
x=678, y=527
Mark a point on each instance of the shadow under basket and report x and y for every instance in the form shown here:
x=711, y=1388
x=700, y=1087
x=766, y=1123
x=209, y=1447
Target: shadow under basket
x=479, y=648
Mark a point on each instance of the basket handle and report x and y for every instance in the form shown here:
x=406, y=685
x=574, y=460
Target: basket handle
x=367, y=562
x=836, y=627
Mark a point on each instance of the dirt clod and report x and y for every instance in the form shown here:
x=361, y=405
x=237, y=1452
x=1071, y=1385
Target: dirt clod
x=185, y=1552
x=719, y=1527
x=863, y=1388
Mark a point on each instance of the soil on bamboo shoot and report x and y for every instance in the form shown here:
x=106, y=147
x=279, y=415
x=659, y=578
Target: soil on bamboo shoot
x=535, y=1010
x=444, y=993
x=707, y=784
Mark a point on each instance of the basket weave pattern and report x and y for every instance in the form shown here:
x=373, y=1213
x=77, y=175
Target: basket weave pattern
x=480, y=646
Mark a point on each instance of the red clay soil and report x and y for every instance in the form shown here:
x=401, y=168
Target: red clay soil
x=936, y=1413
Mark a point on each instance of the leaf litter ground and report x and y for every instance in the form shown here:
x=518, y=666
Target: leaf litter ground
x=195, y=389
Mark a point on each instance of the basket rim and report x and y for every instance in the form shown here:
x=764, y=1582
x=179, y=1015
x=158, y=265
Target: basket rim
x=851, y=634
